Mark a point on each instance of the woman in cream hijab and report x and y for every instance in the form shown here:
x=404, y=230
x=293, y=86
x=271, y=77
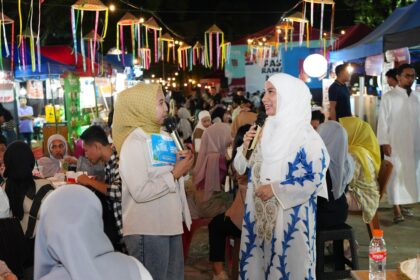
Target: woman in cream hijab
x=287, y=174
x=153, y=197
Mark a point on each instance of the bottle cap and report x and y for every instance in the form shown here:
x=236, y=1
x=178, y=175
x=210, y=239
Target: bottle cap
x=378, y=233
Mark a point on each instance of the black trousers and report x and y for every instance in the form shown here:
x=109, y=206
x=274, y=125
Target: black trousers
x=220, y=227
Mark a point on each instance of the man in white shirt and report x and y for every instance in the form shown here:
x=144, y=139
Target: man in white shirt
x=399, y=135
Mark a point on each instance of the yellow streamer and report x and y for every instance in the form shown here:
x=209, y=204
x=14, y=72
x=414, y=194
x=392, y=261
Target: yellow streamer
x=307, y=34
x=20, y=22
x=118, y=41
x=106, y=24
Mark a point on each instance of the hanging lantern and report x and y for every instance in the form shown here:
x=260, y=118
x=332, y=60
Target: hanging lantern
x=5, y=20
x=303, y=24
x=210, y=59
x=151, y=24
x=145, y=58
x=134, y=23
x=185, y=57
x=77, y=12
x=89, y=38
x=322, y=3
x=198, y=57
x=285, y=29
x=170, y=42
x=31, y=35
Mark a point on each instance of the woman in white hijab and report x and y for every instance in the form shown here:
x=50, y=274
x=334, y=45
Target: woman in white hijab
x=288, y=172
x=333, y=211
x=204, y=121
x=71, y=244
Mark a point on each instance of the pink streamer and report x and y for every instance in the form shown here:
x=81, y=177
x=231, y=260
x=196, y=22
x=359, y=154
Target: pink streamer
x=122, y=43
x=23, y=53
x=218, y=49
x=156, y=46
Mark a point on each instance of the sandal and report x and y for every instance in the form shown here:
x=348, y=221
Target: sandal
x=408, y=212
x=398, y=219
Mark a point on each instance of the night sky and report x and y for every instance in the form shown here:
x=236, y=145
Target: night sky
x=188, y=18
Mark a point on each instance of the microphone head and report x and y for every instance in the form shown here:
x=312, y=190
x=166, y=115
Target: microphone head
x=170, y=124
x=261, y=118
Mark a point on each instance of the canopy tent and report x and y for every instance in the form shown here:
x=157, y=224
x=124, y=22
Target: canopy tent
x=49, y=67
x=401, y=24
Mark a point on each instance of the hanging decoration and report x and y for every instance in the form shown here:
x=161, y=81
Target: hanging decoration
x=260, y=49
x=34, y=38
x=303, y=25
x=145, y=58
x=198, y=57
x=285, y=29
x=185, y=57
x=5, y=20
x=170, y=43
x=212, y=50
x=225, y=49
x=77, y=12
x=89, y=38
x=322, y=3
x=151, y=25
x=135, y=32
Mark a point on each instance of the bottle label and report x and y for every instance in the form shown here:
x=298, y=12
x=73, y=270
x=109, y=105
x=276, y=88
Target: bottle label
x=378, y=256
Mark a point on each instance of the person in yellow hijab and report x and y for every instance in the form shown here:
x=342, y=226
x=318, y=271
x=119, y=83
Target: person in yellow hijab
x=154, y=204
x=363, y=193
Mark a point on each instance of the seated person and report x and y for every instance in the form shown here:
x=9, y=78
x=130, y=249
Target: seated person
x=228, y=223
x=209, y=174
x=97, y=148
x=363, y=191
x=333, y=211
x=317, y=118
x=71, y=243
x=23, y=191
x=58, y=151
x=96, y=170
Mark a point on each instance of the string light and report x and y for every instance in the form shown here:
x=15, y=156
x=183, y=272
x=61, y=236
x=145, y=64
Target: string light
x=112, y=7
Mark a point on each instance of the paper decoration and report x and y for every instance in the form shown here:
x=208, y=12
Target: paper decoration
x=77, y=11
x=170, y=44
x=145, y=58
x=89, y=38
x=34, y=38
x=213, y=50
x=322, y=3
x=198, y=57
x=129, y=20
x=303, y=25
x=5, y=20
x=260, y=49
x=151, y=25
x=185, y=57
x=285, y=30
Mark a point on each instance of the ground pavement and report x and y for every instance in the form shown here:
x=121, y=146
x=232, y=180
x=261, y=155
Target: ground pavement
x=402, y=241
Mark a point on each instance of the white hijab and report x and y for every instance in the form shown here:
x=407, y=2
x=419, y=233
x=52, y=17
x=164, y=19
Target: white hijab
x=201, y=116
x=341, y=166
x=290, y=128
x=71, y=243
x=51, y=165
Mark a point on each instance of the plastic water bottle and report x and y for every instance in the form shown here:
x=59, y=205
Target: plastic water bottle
x=377, y=256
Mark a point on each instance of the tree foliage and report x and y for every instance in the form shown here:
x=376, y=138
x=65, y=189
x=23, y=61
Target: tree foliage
x=374, y=12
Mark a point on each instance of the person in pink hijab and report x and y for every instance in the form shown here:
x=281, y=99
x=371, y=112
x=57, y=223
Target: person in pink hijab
x=210, y=171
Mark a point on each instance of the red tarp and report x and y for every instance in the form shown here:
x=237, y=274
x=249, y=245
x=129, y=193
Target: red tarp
x=65, y=55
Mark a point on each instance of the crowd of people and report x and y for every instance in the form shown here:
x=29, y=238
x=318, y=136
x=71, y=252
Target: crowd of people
x=126, y=214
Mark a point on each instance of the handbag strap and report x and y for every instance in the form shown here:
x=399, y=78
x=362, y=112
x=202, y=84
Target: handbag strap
x=33, y=212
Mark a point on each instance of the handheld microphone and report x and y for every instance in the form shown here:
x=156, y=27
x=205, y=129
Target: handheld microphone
x=170, y=125
x=259, y=123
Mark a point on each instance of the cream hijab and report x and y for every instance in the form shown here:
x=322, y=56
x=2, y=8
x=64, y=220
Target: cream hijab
x=201, y=116
x=289, y=129
x=135, y=108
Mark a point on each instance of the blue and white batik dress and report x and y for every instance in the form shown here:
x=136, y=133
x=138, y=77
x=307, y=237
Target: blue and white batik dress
x=279, y=235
